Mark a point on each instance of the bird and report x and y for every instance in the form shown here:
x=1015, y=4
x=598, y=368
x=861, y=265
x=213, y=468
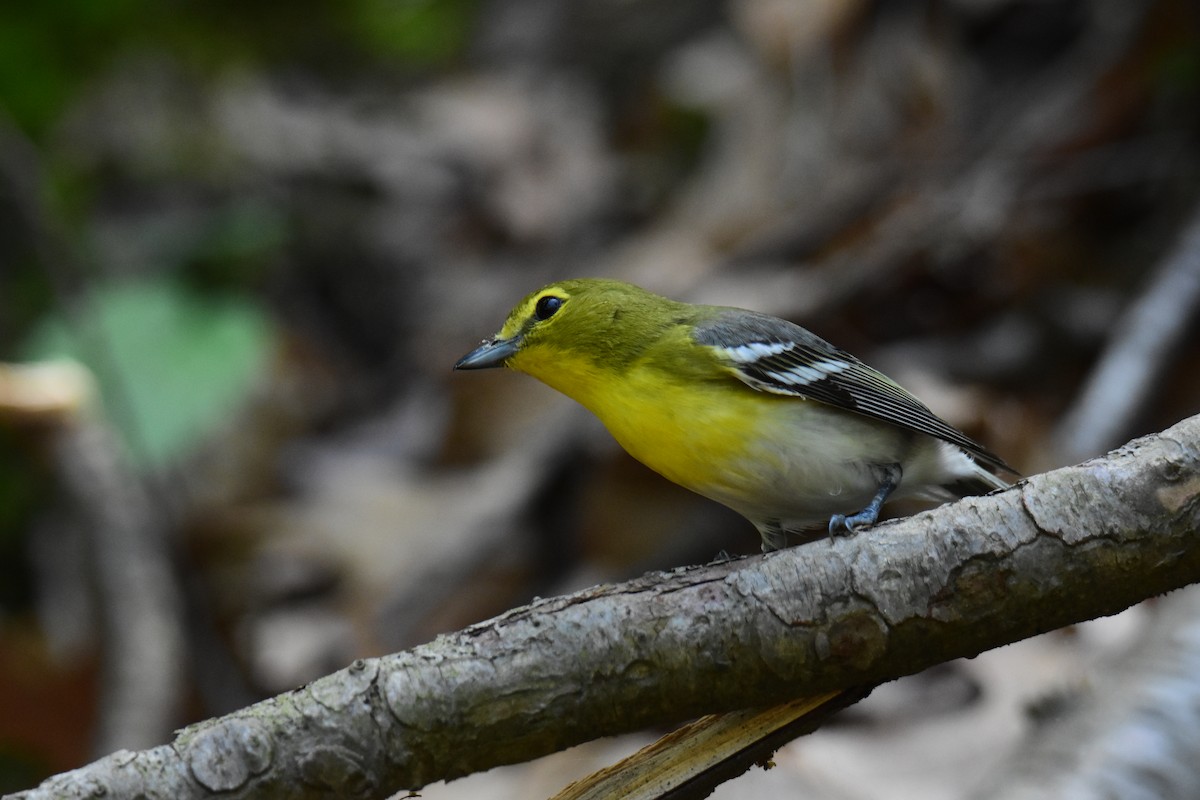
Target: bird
x=747, y=409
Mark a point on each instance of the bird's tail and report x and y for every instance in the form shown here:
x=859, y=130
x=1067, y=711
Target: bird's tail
x=976, y=480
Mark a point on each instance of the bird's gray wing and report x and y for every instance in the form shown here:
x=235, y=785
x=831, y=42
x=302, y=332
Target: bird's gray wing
x=777, y=356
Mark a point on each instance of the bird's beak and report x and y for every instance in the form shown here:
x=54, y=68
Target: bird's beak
x=492, y=353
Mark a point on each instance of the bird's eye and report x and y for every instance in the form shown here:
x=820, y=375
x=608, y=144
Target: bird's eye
x=546, y=307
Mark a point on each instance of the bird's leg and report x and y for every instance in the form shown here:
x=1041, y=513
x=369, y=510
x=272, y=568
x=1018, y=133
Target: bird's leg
x=774, y=537
x=889, y=481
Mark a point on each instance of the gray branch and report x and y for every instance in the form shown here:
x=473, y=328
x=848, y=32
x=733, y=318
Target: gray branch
x=1059, y=548
x=140, y=603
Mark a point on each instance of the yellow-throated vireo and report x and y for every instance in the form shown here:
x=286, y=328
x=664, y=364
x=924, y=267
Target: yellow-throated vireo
x=744, y=408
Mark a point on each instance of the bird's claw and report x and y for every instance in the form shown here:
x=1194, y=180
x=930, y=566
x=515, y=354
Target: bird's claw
x=842, y=525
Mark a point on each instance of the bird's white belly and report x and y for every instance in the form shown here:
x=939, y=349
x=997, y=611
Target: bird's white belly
x=818, y=462
x=778, y=461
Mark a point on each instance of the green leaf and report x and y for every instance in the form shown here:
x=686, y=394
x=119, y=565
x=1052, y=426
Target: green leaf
x=172, y=364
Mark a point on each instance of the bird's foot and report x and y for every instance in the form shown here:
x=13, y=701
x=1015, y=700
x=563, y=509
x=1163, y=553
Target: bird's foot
x=840, y=523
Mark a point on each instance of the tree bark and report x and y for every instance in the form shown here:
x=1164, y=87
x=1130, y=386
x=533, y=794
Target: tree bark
x=1058, y=548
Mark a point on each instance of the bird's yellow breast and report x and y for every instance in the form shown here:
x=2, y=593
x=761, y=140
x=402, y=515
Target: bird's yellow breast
x=695, y=433
x=691, y=435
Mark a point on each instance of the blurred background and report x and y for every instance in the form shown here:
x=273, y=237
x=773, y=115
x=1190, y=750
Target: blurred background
x=241, y=247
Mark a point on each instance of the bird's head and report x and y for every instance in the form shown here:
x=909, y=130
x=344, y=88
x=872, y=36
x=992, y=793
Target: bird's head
x=576, y=326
